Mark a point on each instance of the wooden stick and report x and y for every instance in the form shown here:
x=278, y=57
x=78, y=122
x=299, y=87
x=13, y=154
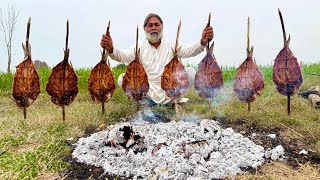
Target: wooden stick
x=28, y=71
x=63, y=73
x=25, y=112
x=288, y=103
x=137, y=37
x=248, y=37
x=176, y=106
x=63, y=113
x=210, y=106
x=104, y=50
x=103, y=108
x=178, y=35
x=283, y=29
x=67, y=36
x=27, y=36
x=209, y=19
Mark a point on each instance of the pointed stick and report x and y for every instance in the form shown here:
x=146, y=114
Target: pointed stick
x=178, y=35
x=104, y=50
x=137, y=37
x=248, y=52
x=28, y=54
x=283, y=29
x=28, y=33
x=209, y=19
x=248, y=37
x=286, y=44
x=102, y=72
x=64, y=64
x=135, y=69
x=67, y=36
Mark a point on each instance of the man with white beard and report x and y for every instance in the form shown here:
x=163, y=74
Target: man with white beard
x=155, y=53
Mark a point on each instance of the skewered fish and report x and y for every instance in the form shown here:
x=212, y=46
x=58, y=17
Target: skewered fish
x=135, y=81
x=26, y=83
x=287, y=74
x=248, y=81
x=101, y=81
x=62, y=84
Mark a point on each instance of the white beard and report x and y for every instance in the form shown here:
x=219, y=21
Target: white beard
x=154, y=36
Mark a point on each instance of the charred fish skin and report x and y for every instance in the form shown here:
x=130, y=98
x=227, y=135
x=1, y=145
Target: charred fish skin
x=174, y=80
x=208, y=79
x=135, y=82
x=67, y=94
x=101, y=83
x=26, y=84
x=287, y=74
x=248, y=82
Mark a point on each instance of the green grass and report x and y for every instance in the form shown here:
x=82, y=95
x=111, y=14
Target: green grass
x=34, y=147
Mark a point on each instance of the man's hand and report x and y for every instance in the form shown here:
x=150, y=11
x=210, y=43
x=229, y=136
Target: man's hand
x=106, y=42
x=207, y=35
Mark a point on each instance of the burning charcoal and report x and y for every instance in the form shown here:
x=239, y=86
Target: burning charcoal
x=208, y=79
x=248, y=82
x=286, y=70
x=63, y=81
x=174, y=80
x=26, y=83
x=135, y=81
x=101, y=81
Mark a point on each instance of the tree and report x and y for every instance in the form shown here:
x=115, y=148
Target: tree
x=8, y=20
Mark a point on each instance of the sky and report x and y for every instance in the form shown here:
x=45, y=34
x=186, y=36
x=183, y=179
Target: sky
x=88, y=20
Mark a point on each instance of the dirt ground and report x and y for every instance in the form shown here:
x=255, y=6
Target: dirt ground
x=257, y=134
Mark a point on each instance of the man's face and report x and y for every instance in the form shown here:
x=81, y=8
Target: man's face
x=153, y=30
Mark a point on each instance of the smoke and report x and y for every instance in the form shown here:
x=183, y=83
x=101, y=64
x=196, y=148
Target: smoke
x=222, y=96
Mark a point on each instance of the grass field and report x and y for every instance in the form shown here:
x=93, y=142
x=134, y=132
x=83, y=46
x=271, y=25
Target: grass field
x=34, y=148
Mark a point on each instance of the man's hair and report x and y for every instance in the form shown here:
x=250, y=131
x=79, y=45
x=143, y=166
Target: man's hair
x=150, y=16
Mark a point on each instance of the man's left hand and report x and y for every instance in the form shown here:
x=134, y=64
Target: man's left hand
x=207, y=35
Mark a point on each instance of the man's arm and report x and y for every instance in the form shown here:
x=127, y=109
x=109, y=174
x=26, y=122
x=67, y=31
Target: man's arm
x=116, y=54
x=122, y=56
x=191, y=50
x=197, y=47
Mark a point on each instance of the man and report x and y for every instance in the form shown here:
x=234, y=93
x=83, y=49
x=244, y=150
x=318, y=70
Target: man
x=155, y=54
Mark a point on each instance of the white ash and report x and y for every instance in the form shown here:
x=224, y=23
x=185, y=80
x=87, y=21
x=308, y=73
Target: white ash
x=272, y=136
x=304, y=152
x=275, y=153
x=173, y=150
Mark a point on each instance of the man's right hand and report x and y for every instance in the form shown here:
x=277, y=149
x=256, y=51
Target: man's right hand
x=106, y=42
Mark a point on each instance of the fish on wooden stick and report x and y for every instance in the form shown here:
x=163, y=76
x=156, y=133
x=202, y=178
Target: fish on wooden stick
x=287, y=74
x=135, y=81
x=174, y=80
x=208, y=79
x=26, y=82
x=155, y=53
x=62, y=85
x=101, y=81
x=248, y=81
